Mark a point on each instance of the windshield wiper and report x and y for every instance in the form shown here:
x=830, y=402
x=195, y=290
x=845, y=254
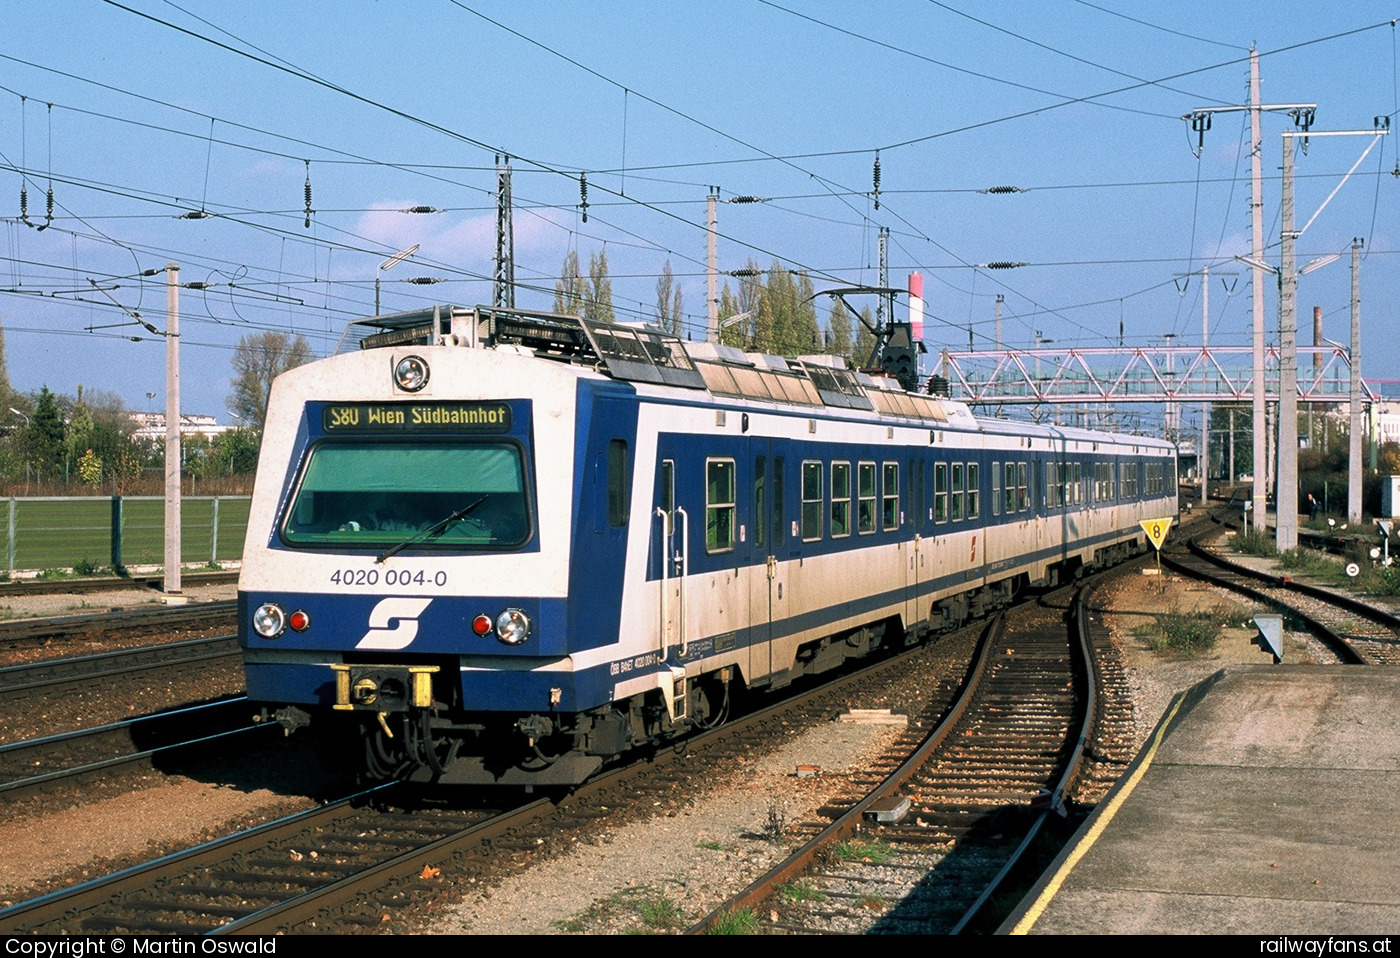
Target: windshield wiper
x=435, y=529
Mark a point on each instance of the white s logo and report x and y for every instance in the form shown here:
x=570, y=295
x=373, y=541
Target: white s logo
x=381, y=636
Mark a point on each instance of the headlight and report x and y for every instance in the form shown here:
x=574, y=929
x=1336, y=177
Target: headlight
x=512, y=626
x=411, y=373
x=269, y=620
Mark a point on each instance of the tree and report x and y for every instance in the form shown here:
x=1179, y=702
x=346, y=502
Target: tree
x=234, y=452
x=865, y=339
x=736, y=334
x=599, y=307
x=669, y=314
x=808, y=337
x=43, y=437
x=257, y=361
x=571, y=291
x=5, y=389
x=838, y=324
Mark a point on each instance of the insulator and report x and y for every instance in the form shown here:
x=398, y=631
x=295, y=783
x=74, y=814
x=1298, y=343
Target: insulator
x=24, y=202
x=423, y=280
x=1002, y=189
x=744, y=272
x=877, y=180
x=747, y=199
x=49, y=206
x=1003, y=264
x=583, y=194
x=309, y=211
x=422, y=209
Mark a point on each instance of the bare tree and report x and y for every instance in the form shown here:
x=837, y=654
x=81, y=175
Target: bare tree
x=599, y=306
x=571, y=290
x=669, y=307
x=259, y=359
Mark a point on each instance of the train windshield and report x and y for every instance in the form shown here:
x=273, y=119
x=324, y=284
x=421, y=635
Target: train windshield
x=378, y=494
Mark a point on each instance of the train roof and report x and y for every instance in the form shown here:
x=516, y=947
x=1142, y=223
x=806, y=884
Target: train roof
x=648, y=354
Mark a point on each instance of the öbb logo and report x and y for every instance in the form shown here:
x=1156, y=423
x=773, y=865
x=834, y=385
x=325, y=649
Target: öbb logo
x=399, y=612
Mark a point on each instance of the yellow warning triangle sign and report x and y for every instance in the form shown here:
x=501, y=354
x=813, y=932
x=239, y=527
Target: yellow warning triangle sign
x=1156, y=530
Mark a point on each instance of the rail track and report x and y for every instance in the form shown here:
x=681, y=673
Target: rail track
x=352, y=865
x=51, y=674
x=315, y=874
x=72, y=759
x=925, y=850
x=1356, y=631
x=18, y=635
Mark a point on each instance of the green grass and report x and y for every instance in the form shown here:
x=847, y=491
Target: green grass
x=1186, y=633
x=632, y=911
x=711, y=846
x=1309, y=561
x=877, y=853
x=1379, y=580
x=1254, y=542
x=801, y=890
x=742, y=921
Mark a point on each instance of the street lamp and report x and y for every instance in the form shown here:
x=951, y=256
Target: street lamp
x=388, y=264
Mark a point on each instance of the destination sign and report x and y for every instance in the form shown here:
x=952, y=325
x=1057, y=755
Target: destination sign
x=417, y=417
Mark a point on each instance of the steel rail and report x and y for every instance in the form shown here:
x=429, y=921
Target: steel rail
x=202, y=615
x=18, y=754
x=56, y=672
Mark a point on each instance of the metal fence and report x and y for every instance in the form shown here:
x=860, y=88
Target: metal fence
x=61, y=532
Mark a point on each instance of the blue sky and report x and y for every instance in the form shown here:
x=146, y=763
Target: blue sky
x=135, y=117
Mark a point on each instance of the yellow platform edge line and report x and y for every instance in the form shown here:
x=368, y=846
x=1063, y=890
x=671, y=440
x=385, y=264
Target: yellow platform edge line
x=1052, y=888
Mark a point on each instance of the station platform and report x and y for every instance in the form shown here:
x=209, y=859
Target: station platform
x=1266, y=802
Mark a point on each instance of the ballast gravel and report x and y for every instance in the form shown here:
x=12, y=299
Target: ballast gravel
x=658, y=875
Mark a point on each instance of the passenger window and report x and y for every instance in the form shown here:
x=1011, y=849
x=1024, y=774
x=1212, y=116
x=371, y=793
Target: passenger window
x=619, y=488
x=996, y=488
x=811, y=500
x=890, y=513
x=840, y=499
x=955, y=504
x=916, y=494
x=973, y=491
x=1010, y=487
x=1023, y=492
x=760, y=491
x=719, y=505
x=667, y=494
x=865, y=489
x=778, y=516
x=940, y=492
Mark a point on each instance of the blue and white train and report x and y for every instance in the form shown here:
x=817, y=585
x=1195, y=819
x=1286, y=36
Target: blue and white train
x=509, y=547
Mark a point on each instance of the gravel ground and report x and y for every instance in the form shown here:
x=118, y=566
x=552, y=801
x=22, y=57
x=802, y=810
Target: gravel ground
x=654, y=877
x=80, y=603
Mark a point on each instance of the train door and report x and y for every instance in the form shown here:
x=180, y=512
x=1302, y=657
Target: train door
x=892, y=517
x=766, y=592
x=668, y=565
x=914, y=523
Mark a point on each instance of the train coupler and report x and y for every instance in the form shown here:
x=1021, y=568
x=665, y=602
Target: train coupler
x=383, y=688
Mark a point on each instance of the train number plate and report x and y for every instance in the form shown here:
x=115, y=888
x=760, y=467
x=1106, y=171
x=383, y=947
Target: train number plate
x=353, y=578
